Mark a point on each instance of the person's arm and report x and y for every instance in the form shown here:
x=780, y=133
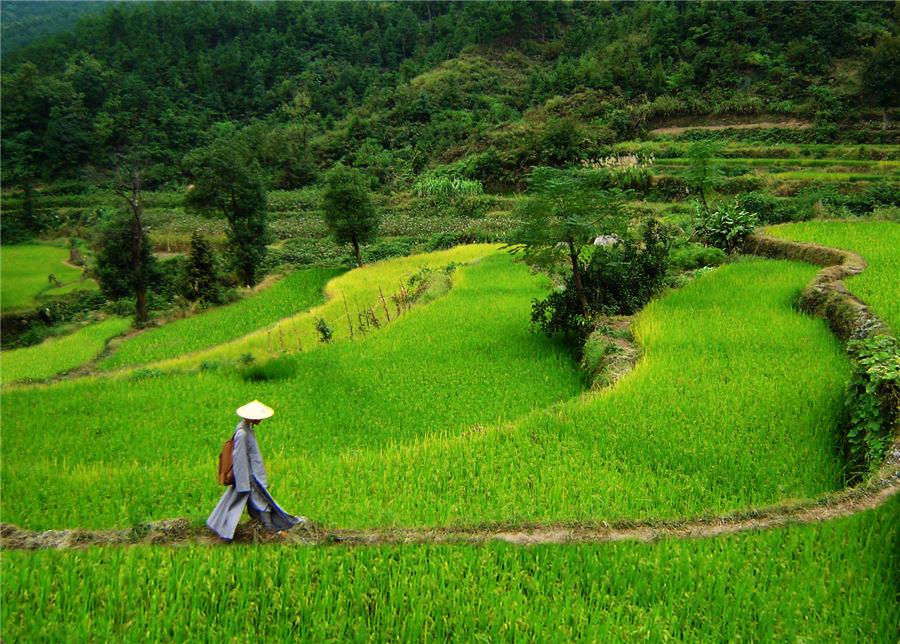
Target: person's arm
x=239, y=462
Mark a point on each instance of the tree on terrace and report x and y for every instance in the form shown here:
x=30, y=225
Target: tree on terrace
x=567, y=210
x=226, y=181
x=881, y=75
x=348, y=210
x=125, y=262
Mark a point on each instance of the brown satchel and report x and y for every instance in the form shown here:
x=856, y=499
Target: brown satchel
x=226, y=467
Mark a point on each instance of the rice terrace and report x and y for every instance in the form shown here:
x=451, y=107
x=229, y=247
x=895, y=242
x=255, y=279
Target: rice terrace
x=553, y=322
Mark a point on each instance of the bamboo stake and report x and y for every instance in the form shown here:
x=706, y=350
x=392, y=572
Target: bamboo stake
x=384, y=304
x=349, y=321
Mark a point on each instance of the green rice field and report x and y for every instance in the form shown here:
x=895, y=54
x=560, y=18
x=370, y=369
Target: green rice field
x=24, y=272
x=467, y=358
x=415, y=424
x=456, y=414
x=369, y=287
x=57, y=355
x=831, y=582
x=878, y=242
x=296, y=292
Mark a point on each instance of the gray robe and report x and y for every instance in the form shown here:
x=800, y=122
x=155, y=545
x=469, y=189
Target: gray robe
x=249, y=490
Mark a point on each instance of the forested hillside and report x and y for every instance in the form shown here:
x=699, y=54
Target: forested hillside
x=24, y=21
x=395, y=87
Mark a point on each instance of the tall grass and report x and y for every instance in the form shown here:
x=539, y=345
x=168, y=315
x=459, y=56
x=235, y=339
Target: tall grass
x=879, y=244
x=832, y=582
x=24, y=272
x=735, y=404
x=296, y=292
x=57, y=355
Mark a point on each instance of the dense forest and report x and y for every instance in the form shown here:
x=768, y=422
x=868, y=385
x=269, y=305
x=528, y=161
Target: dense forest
x=395, y=88
x=24, y=21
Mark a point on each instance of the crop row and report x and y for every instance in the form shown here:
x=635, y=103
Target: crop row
x=878, y=242
x=735, y=404
x=296, y=292
x=58, y=355
x=802, y=152
x=888, y=166
x=832, y=582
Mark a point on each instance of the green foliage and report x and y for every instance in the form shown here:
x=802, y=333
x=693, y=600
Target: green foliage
x=564, y=213
x=296, y=292
x=617, y=280
x=702, y=172
x=200, y=279
x=387, y=249
x=124, y=261
x=448, y=187
x=441, y=241
x=726, y=226
x=873, y=401
x=280, y=368
x=326, y=333
x=227, y=183
x=691, y=256
x=880, y=74
x=348, y=210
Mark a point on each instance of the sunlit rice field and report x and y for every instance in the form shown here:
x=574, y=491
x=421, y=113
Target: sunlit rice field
x=878, y=242
x=296, y=292
x=735, y=404
x=367, y=288
x=468, y=358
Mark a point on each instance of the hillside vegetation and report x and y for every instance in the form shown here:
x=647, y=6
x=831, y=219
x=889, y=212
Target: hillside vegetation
x=393, y=87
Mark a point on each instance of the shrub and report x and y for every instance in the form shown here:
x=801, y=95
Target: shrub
x=326, y=333
x=440, y=241
x=280, y=368
x=726, y=226
x=872, y=400
x=387, y=249
x=668, y=187
x=692, y=256
x=768, y=209
x=617, y=280
x=430, y=185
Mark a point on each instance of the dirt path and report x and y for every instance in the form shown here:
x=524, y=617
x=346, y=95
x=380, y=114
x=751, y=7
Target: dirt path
x=790, y=123
x=180, y=532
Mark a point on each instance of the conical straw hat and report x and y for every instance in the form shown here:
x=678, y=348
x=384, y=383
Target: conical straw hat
x=255, y=411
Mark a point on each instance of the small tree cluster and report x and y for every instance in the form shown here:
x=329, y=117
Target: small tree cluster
x=201, y=279
x=226, y=182
x=617, y=280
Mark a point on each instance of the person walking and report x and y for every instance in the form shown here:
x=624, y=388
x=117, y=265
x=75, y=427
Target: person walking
x=249, y=487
